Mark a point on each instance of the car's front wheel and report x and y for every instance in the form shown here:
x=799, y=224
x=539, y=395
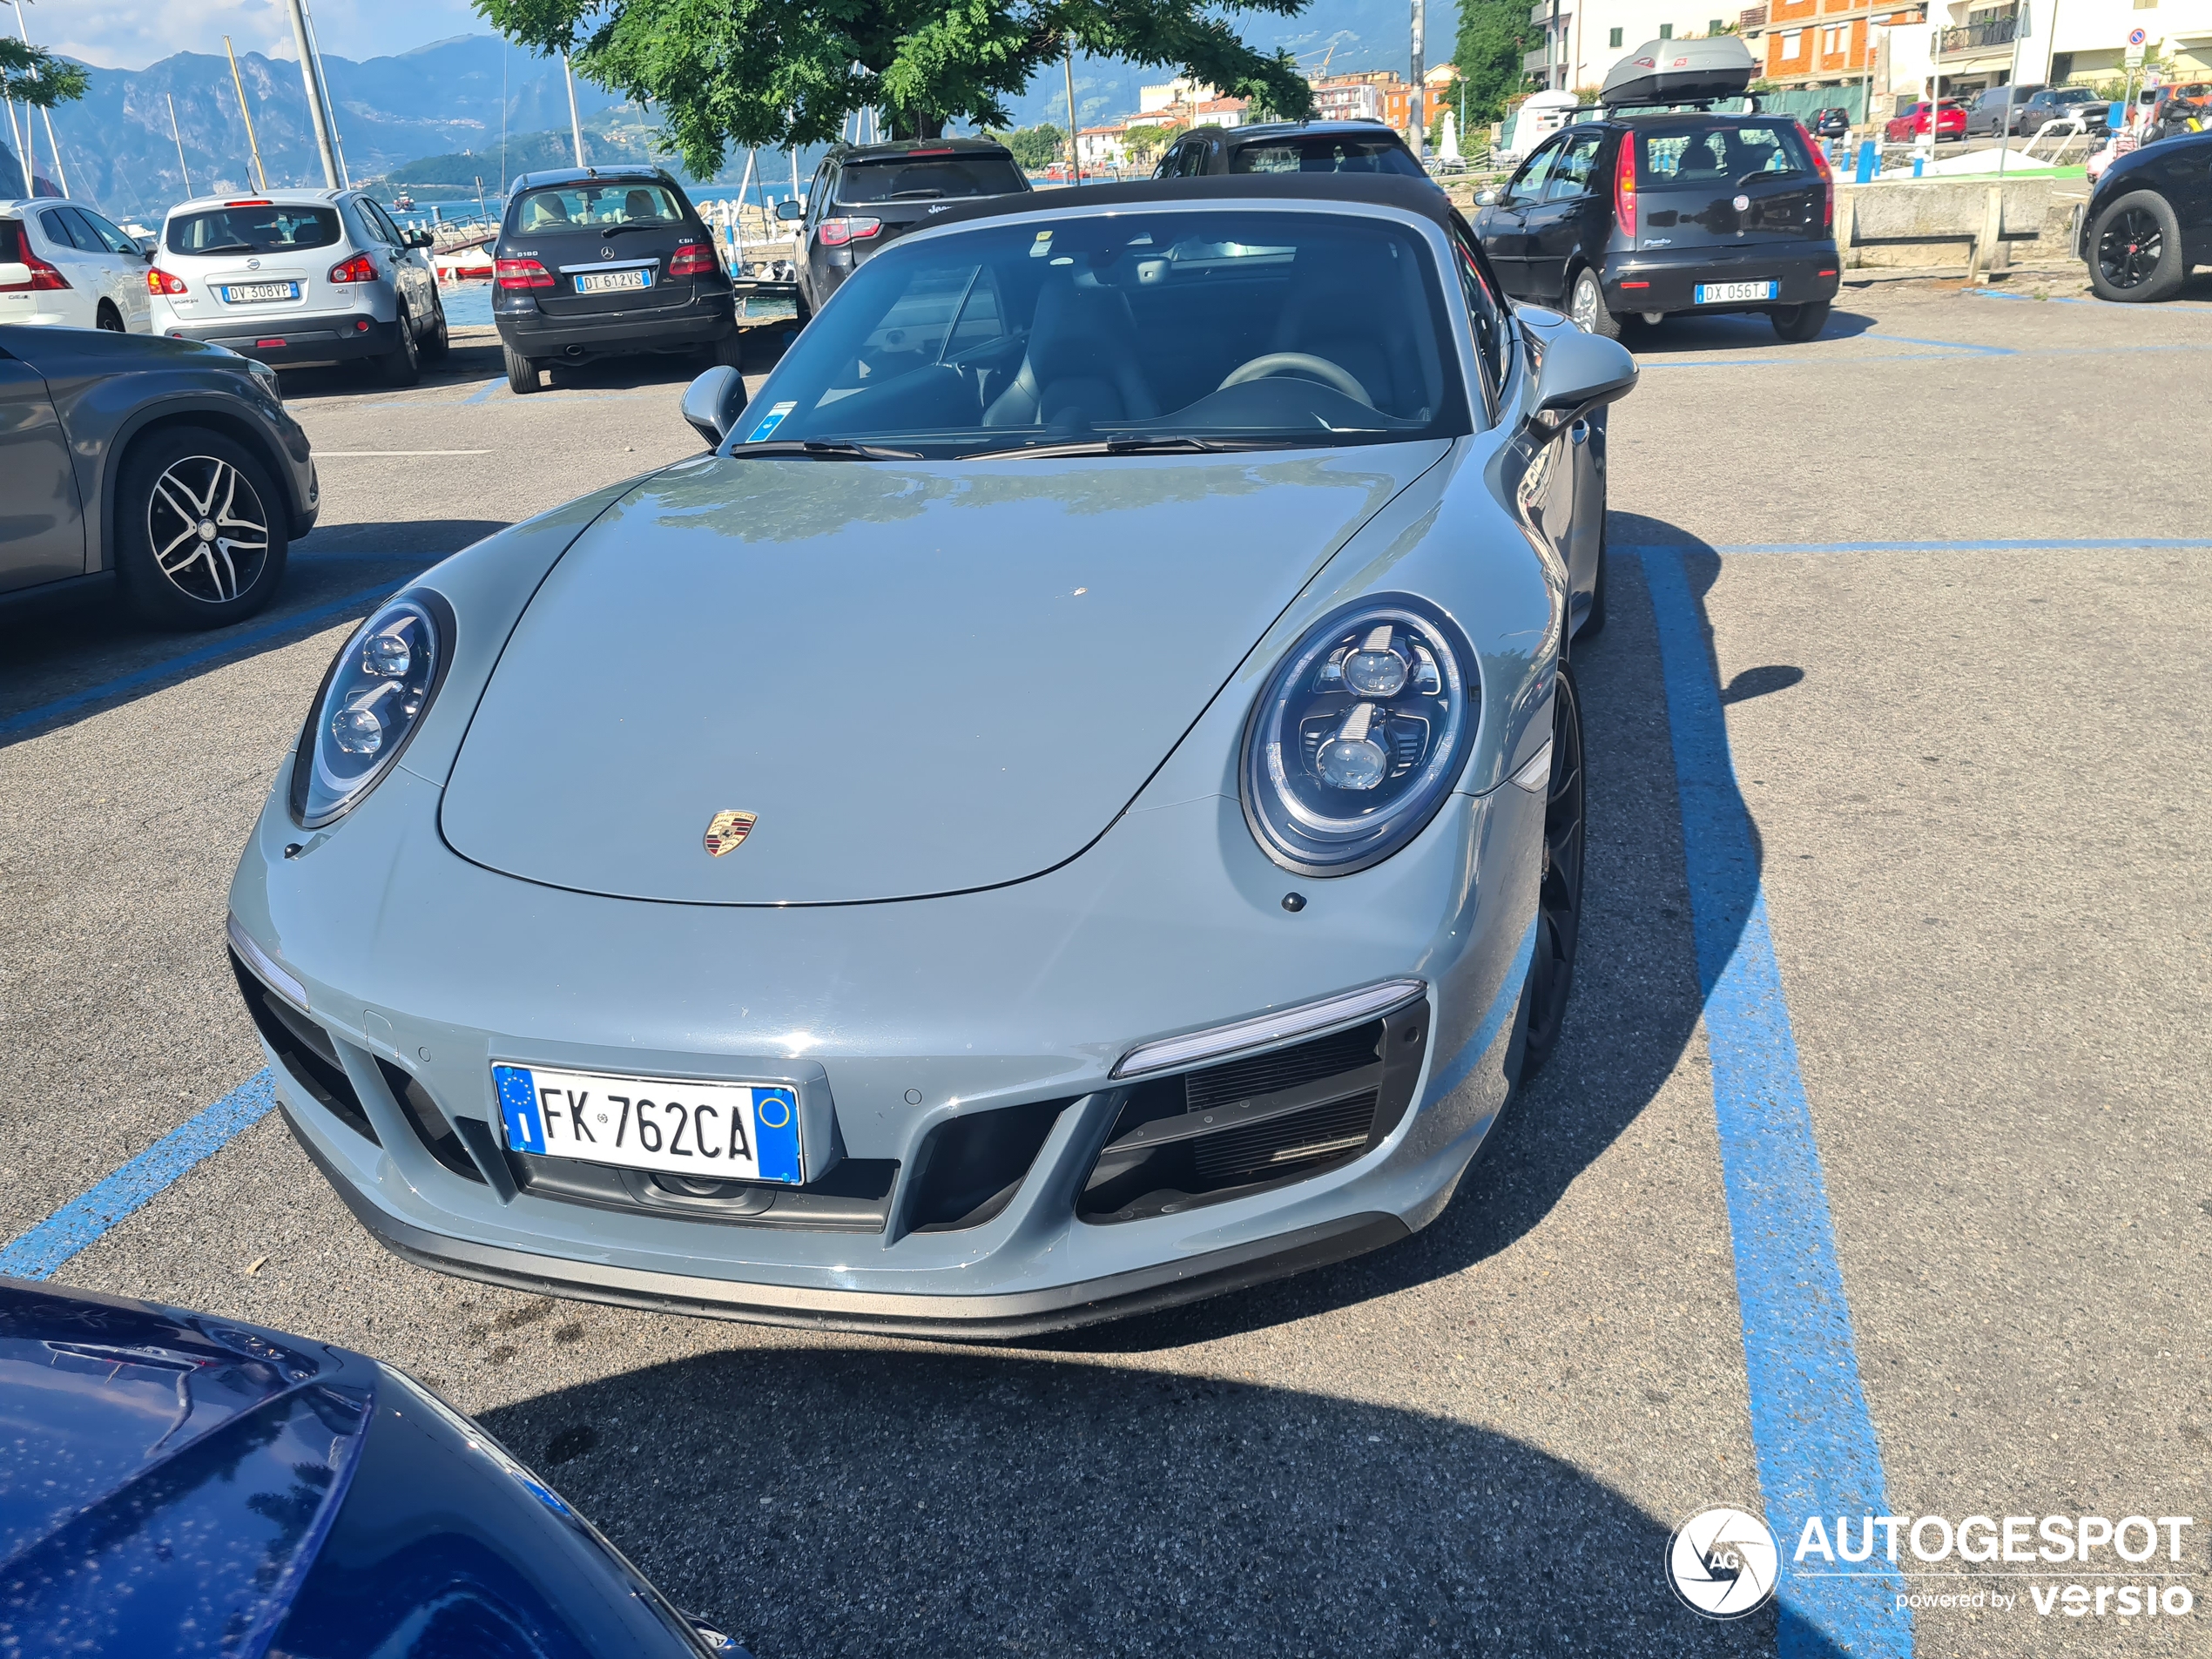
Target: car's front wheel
x=199, y=529
x=1798, y=324
x=1559, y=896
x=2135, y=250
x=1588, y=306
x=521, y=374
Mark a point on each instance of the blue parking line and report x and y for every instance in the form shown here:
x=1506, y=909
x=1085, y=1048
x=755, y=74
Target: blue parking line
x=1948, y=345
x=228, y=645
x=485, y=390
x=2078, y=300
x=81, y=1222
x=1817, y=1450
x=2107, y=545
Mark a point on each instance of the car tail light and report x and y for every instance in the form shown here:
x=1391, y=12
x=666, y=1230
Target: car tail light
x=160, y=281
x=1827, y=187
x=1624, y=186
x=694, y=259
x=42, y=276
x=360, y=268
x=522, y=273
x=836, y=233
x=252, y=201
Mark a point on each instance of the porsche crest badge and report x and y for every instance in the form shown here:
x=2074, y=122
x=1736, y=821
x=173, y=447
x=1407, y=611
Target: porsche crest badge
x=728, y=829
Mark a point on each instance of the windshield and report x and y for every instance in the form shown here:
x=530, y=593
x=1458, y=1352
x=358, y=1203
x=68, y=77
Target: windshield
x=1268, y=328
x=906, y=179
x=1733, y=153
x=597, y=207
x=1322, y=155
x=250, y=229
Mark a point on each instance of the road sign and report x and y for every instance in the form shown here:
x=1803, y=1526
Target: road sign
x=2136, y=37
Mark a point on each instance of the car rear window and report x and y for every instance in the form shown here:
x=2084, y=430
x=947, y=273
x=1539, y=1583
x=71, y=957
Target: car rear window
x=1322, y=154
x=563, y=207
x=904, y=180
x=267, y=229
x=10, y=241
x=1726, y=152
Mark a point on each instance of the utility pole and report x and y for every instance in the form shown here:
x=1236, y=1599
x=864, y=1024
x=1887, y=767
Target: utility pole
x=60, y=171
x=576, y=127
x=178, y=136
x=1418, y=135
x=251, y=143
x=1074, y=155
x=315, y=112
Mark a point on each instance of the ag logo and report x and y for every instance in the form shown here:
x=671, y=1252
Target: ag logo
x=1722, y=1563
x=726, y=830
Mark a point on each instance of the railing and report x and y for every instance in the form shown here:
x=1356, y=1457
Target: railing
x=1977, y=37
x=1751, y=17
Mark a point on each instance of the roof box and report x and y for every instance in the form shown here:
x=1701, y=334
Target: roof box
x=1680, y=72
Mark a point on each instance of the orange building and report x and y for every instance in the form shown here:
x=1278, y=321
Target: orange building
x=1801, y=41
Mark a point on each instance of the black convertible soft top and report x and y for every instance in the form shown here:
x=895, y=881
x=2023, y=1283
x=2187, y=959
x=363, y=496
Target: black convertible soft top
x=1383, y=190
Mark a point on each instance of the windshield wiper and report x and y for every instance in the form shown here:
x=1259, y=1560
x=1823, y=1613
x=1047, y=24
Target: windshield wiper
x=1132, y=445
x=826, y=449
x=616, y=230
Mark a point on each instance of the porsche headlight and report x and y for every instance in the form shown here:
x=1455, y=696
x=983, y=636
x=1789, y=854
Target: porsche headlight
x=371, y=702
x=1358, y=736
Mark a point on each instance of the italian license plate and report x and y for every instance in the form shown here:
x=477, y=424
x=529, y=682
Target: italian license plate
x=714, y=1132
x=1719, y=293
x=612, y=281
x=247, y=293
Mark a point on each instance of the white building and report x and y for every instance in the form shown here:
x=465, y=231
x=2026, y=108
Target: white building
x=1170, y=96
x=1577, y=41
x=1104, y=146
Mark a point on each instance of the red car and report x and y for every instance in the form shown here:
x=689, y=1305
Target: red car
x=1951, y=122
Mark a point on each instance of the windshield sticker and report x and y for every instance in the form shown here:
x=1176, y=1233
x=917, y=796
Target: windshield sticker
x=773, y=418
x=1042, y=246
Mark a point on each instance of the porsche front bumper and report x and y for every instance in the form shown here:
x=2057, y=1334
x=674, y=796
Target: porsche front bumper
x=419, y=970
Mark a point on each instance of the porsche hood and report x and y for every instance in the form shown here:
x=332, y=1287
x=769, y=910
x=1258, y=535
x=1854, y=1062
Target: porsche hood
x=811, y=682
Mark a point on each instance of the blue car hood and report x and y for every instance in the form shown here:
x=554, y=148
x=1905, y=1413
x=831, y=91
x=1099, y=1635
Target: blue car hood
x=920, y=677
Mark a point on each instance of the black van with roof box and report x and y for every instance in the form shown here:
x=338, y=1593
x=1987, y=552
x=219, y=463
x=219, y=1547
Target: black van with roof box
x=606, y=261
x=1632, y=213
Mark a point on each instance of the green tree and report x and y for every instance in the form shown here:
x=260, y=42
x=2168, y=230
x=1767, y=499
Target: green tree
x=1141, y=144
x=1036, y=147
x=1493, y=37
x=775, y=72
x=34, y=76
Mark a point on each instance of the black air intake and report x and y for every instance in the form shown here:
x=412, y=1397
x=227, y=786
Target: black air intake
x=304, y=1049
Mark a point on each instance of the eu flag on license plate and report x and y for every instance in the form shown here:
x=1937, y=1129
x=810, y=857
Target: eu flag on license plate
x=518, y=1108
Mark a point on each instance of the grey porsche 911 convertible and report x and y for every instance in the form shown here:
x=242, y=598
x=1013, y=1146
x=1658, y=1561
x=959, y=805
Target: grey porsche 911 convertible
x=1073, y=804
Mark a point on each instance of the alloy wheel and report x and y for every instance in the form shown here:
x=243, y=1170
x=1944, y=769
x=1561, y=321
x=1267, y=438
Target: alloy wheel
x=1558, y=897
x=2130, y=249
x=1586, y=302
x=207, y=528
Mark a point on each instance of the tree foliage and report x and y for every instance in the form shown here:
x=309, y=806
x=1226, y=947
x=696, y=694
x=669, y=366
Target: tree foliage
x=775, y=72
x=1495, y=36
x=34, y=76
x=1036, y=147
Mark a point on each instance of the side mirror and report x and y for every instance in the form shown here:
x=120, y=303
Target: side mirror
x=1579, y=372
x=788, y=211
x=1486, y=198
x=419, y=239
x=712, y=403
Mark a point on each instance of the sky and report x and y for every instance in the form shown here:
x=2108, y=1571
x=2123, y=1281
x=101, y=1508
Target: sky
x=131, y=33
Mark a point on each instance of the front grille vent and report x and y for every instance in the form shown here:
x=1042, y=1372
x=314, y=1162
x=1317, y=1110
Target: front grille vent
x=305, y=1050
x=1256, y=1122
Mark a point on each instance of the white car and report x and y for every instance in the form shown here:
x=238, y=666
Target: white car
x=299, y=278
x=64, y=265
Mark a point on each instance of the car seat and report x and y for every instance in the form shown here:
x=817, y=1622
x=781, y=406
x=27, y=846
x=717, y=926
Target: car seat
x=1698, y=160
x=637, y=205
x=1081, y=365
x=1355, y=318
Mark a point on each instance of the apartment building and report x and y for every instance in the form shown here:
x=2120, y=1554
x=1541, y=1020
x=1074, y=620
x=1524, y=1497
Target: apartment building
x=1577, y=41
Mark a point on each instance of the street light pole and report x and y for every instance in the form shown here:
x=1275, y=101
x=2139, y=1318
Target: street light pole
x=1419, y=121
x=576, y=127
x=315, y=112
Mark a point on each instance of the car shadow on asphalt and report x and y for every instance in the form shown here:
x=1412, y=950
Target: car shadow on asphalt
x=1730, y=331
x=824, y=1500
x=1637, y=996
x=76, y=655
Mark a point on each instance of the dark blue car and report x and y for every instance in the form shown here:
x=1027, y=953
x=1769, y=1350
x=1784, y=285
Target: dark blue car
x=2150, y=220
x=173, y=1484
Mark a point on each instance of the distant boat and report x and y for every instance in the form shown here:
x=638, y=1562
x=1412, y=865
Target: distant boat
x=403, y=202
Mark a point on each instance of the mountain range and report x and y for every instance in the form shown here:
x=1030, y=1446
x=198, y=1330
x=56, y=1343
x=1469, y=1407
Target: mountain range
x=458, y=96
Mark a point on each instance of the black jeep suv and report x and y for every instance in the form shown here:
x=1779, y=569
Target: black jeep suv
x=1626, y=216
x=603, y=261
x=864, y=195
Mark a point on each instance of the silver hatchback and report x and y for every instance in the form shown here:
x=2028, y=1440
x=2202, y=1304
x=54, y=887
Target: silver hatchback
x=299, y=278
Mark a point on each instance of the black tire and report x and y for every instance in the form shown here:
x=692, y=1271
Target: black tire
x=108, y=319
x=1559, y=895
x=806, y=309
x=433, y=348
x=728, y=352
x=1586, y=305
x=1798, y=324
x=2135, y=250
x=521, y=374
x=1594, y=618
x=403, y=365
x=175, y=575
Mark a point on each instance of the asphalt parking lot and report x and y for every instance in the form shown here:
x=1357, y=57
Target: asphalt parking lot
x=1906, y=878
